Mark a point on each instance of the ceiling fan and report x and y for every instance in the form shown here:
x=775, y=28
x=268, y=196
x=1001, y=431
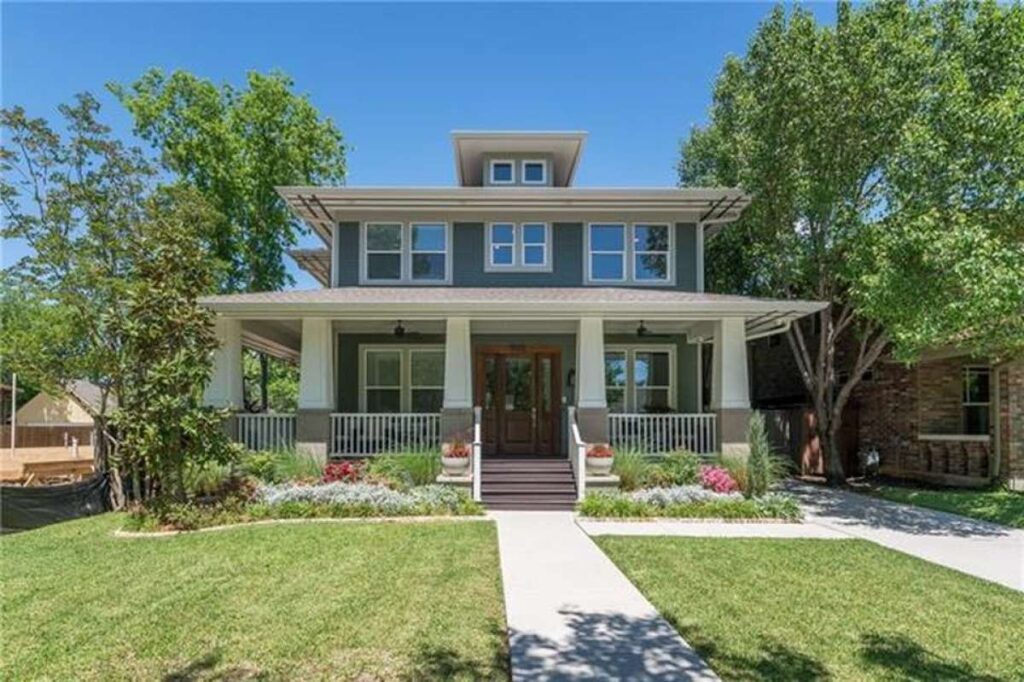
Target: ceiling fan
x=401, y=332
x=644, y=333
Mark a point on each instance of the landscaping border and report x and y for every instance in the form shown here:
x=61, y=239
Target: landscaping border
x=135, y=534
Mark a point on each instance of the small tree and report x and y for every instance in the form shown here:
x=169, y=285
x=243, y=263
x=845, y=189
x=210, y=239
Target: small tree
x=764, y=467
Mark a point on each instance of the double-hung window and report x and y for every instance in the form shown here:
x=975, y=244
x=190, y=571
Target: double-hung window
x=414, y=253
x=640, y=379
x=640, y=253
x=518, y=247
x=402, y=379
x=976, y=400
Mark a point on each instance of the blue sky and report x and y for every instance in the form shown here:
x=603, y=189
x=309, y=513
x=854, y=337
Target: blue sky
x=398, y=78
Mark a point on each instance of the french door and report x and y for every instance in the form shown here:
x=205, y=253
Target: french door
x=518, y=388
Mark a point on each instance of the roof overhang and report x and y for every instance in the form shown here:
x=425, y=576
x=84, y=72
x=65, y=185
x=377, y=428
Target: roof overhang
x=473, y=146
x=321, y=207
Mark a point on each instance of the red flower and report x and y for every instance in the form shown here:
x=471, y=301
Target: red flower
x=346, y=471
x=600, y=451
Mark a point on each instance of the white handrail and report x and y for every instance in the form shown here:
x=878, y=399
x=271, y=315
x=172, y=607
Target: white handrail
x=659, y=434
x=577, y=455
x=477, y=447
x=266, y=430
x=374, y=433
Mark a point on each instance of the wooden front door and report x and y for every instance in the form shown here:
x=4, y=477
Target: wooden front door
x=518, y=388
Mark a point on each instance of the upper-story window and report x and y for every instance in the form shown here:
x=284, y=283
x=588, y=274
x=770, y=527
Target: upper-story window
x=535, y=172
x=502, y=172
x=399, y=253
x=518, y=246
x=640, y=253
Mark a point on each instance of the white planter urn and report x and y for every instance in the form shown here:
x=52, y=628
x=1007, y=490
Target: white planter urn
x=454, y=466
x=599, y=466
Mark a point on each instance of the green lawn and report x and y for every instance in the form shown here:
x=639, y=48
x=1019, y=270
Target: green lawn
x=300, y=601
x=816, y=609
x=998, y=506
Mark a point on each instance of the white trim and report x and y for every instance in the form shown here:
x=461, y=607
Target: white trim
x=629, y=254
x=518, y=246
x=491, y=163
x=630, y=351
x=544, y=172
x=966, y=437
x=405, y=386
x=405, y=254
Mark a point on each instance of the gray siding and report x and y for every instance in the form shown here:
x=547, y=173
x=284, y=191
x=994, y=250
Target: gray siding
x=347, y=369
x=468, y=252
x=686, y=364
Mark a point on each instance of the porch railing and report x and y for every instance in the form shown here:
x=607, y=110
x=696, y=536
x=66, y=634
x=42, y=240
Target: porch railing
x=266, y=430
x=577, y=455
x=659, y=434
x=366, y=434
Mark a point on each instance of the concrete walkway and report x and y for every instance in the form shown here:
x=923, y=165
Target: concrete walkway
x=572, y=615
x=984, y=550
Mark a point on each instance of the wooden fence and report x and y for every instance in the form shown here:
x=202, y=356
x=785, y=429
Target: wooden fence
x=48, y=436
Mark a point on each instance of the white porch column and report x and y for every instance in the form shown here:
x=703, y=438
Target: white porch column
x=591, y=400
x=458, y=364
x=457, y=408
x=730, y=390
x=225, y=386
x=316, y=365
x=316, y=388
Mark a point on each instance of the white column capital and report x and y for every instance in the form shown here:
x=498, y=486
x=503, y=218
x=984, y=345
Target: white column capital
x=458, y=364
x=729, y=385
x=590, y=391
x=225, y=386
x=316, y=365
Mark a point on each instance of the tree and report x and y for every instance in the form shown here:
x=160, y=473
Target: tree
x=109, y=291
x=235, y=147
x=885, y=156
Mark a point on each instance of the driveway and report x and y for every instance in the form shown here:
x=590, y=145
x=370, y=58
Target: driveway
x=984, y=550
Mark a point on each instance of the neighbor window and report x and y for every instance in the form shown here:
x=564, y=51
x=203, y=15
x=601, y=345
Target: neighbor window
x=639, y=379
x=502, y=172
x=976, y=400
x=403, y=254
x=518, y=246
x=640, y=253
x=402, y=379
x=535, y=172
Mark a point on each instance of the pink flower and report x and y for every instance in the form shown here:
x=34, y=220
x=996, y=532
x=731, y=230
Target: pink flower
x=717, y=479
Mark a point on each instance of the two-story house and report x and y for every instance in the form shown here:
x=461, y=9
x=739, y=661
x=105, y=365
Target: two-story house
x=514, y=305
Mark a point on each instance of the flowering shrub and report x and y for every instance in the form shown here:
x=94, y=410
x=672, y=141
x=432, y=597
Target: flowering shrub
x=457, y=448
x=718, y=480
x=344, y=471
x=600, y=451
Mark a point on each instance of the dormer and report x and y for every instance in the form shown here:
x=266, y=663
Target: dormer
x=517, y=159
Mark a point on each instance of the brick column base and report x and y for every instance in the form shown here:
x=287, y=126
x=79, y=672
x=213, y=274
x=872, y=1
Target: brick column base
x=732, y=425
x=313, y=432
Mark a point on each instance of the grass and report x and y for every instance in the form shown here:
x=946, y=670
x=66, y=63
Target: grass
x=317, y=601
x=816, y=609
x=612, y=505
x=997, y=506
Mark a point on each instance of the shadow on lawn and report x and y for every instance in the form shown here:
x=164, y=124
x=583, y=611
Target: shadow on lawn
x=899, y=654
x=444, y=663
x=846, y=508
x=205, y=668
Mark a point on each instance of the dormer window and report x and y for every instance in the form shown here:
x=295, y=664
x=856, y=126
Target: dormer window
x=535, y=172
x=502, y=172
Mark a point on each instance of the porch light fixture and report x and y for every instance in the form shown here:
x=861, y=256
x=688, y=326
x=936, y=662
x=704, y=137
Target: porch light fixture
x=399, y=330
x=642, y=329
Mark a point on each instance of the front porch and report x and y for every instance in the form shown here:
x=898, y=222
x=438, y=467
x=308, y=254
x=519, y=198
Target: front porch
x=511, y=384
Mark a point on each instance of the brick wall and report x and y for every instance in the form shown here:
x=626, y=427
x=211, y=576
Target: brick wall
x=888, y=414
x=1011, y=421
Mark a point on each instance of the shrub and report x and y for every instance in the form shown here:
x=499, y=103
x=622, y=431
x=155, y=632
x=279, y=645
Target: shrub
x=765, y=469
x=207, y=479
x=345, y=471
x=737, y=468
x=687, y=502
x=631, y=466
x=677, y=468
x=406, y=469
x=292, y=465
x=718, y=480
x=260, y=465
x=664, y=497
x=360, y=499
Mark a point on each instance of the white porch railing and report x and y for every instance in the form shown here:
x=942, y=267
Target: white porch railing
x=577, y=455
x=477, y=447
x=659, y=434
x=368, y=434
x=266, y=430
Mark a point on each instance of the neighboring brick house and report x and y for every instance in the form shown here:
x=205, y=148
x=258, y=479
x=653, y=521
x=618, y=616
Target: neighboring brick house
x=948, y=419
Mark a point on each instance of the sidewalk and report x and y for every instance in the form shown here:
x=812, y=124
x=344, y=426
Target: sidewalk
x=572, y=615
x=984, y=550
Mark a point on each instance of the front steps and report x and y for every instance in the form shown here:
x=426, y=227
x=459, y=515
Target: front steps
x=527, y=483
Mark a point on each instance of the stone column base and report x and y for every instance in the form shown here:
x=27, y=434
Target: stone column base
x=593, y=423
x=313, y=432
x=457, y=423
x=732, y=425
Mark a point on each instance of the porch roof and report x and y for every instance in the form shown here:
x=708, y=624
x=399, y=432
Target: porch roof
x=524, y=303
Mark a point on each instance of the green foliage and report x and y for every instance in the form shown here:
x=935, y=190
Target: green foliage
x=282, y=382
x=998, y=505
x=764, y=468
x=278, y=466
x=885, y=159
x=675, y=468
x=738, y=467
x=631, y=465
x=617, y=505
x=235, y=146
x=408, y=468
